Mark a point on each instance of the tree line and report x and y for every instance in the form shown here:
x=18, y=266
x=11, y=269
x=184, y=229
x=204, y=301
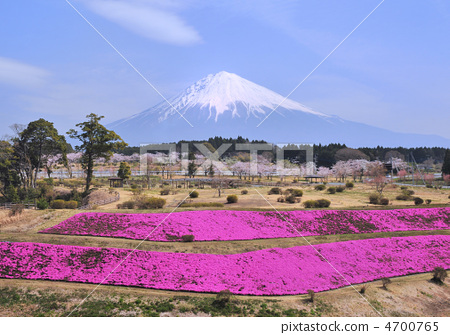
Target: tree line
x=35, y=146
x=325, y=155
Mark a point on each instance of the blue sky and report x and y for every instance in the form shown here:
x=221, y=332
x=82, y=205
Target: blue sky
x=392, y=72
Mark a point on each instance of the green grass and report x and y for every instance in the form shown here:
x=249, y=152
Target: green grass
x=44, y=302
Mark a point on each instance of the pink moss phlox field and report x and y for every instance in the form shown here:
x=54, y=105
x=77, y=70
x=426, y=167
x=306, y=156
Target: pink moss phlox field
x=264, y=272
x=248, y=225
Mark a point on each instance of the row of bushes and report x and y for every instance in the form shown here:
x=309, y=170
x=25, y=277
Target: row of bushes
x=290, y=191
x=407, y=195
x=376, y=199
x=143, y=202
x=57, y=204
x=201, y=204
x=334, y=189
x=292, y=199
x=321, y=203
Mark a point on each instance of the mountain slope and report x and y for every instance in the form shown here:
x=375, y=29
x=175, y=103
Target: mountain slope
x=227, y=105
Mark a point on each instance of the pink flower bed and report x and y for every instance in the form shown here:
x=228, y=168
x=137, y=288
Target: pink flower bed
x=247, y=225
x=265, y=272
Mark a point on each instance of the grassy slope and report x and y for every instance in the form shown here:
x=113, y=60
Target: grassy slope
x=406, y=296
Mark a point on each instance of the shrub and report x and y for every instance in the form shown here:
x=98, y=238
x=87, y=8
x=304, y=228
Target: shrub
x=164, y=191
x=193, y=194
x=363, y=288
x=310, y=204
x=403, y=187
x=402, y=197
x=154, y=202
x=232, y=199
x=320, y=187
x=374, y=198
x=385, y=281
x=187, y=238
x=136, y=191
x=349, y=184
x=340, y=189
x=202, y=204
x=331, y=190
x=58, y=204
x=130, y=204
x=42, y=204
x=295, y=181
x=49, y=181
x=292, y=199
x=244, y=191
x=384, y=201
x=72, y=204
x=429, y=186
x=439, y=275
x=428, y=201
x=311, y=295
x=16, y=210
x=275, y=190
x=296, y=192
x=408, y=192
x=418, y=201
x=322, y=203
x=223, y=298
x=75, y=195
x=281, y=199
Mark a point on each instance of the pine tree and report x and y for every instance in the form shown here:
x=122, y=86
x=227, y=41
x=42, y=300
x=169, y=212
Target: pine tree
x=124, y=171
x=96, y=142
x=446, y=165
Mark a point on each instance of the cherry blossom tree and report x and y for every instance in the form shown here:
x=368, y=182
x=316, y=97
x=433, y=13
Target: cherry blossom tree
x=402, y=174
x=324, y=172
x=341, y=170
x=429, y=178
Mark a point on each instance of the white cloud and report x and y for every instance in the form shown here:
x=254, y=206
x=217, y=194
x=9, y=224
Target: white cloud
x=19, y=74
x=155, y=20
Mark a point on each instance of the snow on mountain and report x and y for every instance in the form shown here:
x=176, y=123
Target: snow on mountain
x=221, y=92
x=227, y=105
x=224, y=92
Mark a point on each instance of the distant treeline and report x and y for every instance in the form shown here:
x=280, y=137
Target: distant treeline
x=324, y=155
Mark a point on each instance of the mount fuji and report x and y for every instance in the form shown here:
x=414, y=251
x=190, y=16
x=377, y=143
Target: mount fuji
x=227, y=105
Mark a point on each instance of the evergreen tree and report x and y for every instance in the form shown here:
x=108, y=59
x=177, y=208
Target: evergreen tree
x=34, y=146
x=96, y=142
x=446, y=165
x=124, y=171
x=192, y=169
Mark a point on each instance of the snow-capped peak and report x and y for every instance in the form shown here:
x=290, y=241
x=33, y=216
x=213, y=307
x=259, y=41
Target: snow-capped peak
x=224, y=91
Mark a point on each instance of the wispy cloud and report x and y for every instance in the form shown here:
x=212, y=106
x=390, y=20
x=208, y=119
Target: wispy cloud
x=156, y=20
x=13, y=72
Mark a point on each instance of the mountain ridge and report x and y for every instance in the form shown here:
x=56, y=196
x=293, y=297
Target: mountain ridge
x=225, y=104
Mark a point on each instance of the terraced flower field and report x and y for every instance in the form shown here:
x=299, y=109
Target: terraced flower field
x=248, y=225
x=265, y=272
